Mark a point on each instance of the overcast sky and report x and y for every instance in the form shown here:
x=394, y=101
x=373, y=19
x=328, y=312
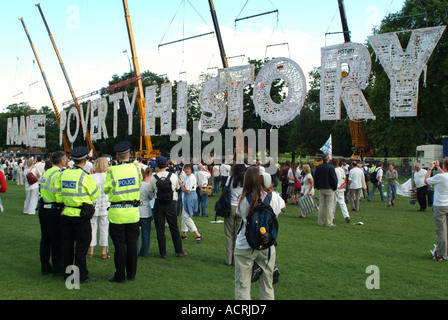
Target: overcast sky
x=91, y=36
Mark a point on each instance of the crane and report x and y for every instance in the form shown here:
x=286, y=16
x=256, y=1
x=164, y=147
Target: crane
x=361, y=148
x=89, y=141
x=149, y=151
x=66, y=143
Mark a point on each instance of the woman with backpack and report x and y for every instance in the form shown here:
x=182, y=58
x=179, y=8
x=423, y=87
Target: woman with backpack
x=245, y=255
x=233, y=221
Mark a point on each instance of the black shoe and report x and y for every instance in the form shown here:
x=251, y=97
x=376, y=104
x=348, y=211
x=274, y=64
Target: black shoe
x=113, y=279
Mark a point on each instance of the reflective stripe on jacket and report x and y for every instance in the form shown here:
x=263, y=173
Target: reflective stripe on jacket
x=74, y=188
x=123, y=183
x=47, y=184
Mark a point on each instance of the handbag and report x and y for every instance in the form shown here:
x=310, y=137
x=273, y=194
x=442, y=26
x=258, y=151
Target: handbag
x=206, y=190
x=306, y=204
x=297, y=184
x=31, y=178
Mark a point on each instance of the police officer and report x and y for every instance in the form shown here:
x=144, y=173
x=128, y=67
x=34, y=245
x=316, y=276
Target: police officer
x=77, y=190
x=123, y=183
x=50, y=218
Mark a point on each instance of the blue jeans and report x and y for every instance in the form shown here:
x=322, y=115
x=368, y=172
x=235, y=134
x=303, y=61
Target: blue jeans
x=145, y=231
x=216, y=184
x=391, y=191
x=202, y=205
x=380, y=189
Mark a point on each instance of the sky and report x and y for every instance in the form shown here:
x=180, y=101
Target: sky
x=92, y=39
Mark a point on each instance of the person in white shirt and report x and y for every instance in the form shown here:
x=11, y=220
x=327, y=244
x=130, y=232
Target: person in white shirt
x=100, y=218
x=32, y=191
x=379, y=184
x=216, y=173
x=190, y=201
x=166, y=212
x=202, y=177
x=245, y=256
x=339, y=194
x=40, y=165
x=418, y=182
x=233, y=221
x=355, y=177
x=224, y=171
x=88, y=166
x=146, y=213
x=440, y=206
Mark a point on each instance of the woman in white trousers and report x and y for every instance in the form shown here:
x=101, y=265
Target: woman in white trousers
x=32, y=191
x=100, y=218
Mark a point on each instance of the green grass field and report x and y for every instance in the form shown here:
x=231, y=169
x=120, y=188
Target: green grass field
x=315, y=262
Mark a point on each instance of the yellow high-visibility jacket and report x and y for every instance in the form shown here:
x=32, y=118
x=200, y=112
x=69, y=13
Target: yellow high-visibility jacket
x=47, y=184
x=123, y=183
x=75, y=187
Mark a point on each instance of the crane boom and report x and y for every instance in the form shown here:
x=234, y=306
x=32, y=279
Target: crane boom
x=361, y=148
x=89, y=141
x=149, y=152
x=66, y=143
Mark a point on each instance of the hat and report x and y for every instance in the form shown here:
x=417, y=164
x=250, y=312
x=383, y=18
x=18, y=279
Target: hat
x=79, y=153
x=161, y=160
x=122, y=147
x=267, y=180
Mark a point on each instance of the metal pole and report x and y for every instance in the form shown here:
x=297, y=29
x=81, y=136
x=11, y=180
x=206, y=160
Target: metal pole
x=218, y=34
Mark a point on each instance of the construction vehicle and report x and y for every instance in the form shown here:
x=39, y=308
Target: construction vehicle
x=361, y=148
x=89, y=141
x=64, y=136
x=149, y=152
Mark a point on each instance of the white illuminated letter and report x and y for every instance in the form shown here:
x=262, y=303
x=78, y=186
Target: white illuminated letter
x=405, y=67
x=72, y=113
x=290, y=72
x=345, y=70
x=160, y=110
x=235, y=79
x=213, y=106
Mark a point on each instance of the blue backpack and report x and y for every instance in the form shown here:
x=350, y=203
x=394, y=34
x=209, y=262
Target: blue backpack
x=262, y=216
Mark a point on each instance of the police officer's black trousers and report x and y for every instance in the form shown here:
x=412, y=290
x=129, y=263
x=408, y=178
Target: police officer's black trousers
x=50, y=242
x=124, y=237
x=76, y=237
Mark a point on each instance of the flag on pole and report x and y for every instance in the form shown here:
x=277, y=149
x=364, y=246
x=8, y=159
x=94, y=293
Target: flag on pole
x=327, y=147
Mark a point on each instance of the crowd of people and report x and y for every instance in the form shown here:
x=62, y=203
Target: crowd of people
x=160, y=191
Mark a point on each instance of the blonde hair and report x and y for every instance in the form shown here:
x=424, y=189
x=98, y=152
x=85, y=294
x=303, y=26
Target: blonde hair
x=306, y=168
x=29, y=162
x=101, y=165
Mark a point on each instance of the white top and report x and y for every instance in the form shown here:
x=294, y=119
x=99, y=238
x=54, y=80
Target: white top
x=341, y=178
x=216, y=170
x=419, y=178
x=88, y=167
x=147, y=202
x=224, y=169
x=355, y=176
x=235, y=193
x=174, y=184
x=440, y=182
x=41, y=167
x=306, y=185
x=202, y=177
x=379, y=174
x=35, y=172
x=297, y=174
x=189, y=182
x=102, y=202
x=277, y=203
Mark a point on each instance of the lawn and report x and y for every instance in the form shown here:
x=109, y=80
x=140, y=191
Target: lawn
x=315, y=262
